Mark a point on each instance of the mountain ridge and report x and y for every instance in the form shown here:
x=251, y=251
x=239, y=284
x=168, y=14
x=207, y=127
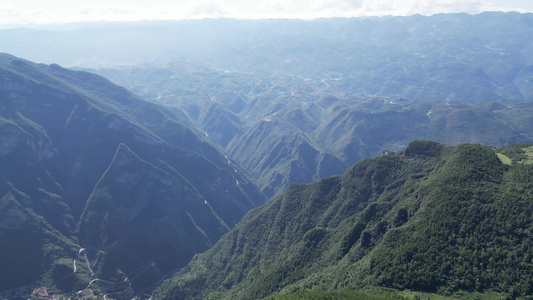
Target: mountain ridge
x=379, y=224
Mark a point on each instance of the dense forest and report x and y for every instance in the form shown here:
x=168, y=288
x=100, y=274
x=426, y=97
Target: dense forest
x=431, y=218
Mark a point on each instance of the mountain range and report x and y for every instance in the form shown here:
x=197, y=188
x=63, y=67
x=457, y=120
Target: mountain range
x=284, y=130
x=396, y=153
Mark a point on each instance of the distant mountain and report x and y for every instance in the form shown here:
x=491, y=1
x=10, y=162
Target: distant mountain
x=446, y=56
x=430, y=218
x=102, y=192
x=283, y=129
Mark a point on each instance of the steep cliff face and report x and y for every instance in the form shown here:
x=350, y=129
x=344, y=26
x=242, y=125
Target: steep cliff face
x=141, y=209
x=96, y=168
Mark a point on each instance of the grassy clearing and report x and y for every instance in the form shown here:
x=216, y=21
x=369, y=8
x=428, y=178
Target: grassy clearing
x=529, y=153
x=505, y=160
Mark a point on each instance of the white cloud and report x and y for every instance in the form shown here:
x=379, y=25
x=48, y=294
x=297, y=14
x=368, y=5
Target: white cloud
x=13, y=14
x=404, y=7
x=58, y=11
x=356, y=8
x=208, y=8
x=106, y=12
x=9, y=13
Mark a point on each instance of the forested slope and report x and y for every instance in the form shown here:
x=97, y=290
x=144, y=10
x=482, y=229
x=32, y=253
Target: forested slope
x=431, y=218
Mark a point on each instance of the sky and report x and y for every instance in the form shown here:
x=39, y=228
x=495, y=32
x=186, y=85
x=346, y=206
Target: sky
x=66, y=11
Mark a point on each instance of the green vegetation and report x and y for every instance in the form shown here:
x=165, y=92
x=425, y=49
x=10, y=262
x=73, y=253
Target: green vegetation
x=504, y=159
x=517, y=154
x=529, y=155
x=376, y=293
x=450, y=221
x=323, y=295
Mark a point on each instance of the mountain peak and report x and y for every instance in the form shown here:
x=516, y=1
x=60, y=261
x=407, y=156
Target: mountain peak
x=424, y=148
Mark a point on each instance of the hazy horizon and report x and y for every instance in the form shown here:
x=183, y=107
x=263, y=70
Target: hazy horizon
x=25, y=12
